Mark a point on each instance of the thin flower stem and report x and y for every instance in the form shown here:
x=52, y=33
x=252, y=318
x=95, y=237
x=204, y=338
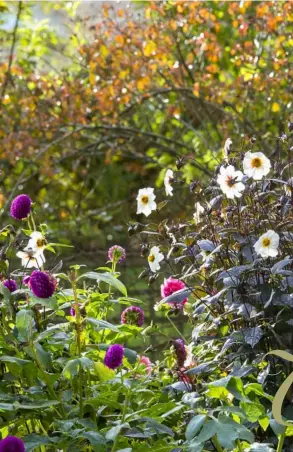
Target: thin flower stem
x=281, y=441
x=78, y=342
x=217, y=444
x=176, y=329
x=239, y=446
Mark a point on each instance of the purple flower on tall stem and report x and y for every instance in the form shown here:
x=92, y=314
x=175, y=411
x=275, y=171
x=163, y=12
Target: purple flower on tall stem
x=116, y=254
x=72, y=312
x=42, y=284
x=21, y=207
x=114, y=356
x=12, y=444
x=132, y=316
x=10, y=284
x=180, y=352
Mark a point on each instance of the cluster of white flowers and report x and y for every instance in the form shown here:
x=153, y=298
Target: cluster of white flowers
x=32, y=255
x=255, y=165
x=146, y=204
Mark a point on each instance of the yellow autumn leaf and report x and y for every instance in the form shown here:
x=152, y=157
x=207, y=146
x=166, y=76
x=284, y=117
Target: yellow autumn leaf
x=104, y=51
x=149, y=48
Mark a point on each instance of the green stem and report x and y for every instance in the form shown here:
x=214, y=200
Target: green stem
x=175, y=328
x=78, y=344
x=33, y=221
x=239, y=446
x=122, y=419
x=281, y=441
x=217, y=444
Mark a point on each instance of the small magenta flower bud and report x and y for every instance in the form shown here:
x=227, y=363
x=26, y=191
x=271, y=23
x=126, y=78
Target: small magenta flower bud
x=180, y=352
x=132, y=316
x=114, y=356
x=20, y=207
x=10, y=284
x=116, y=254
x=42, y=284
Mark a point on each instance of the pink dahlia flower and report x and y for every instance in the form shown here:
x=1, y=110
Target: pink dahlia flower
x=146, y=362
x=170, y=286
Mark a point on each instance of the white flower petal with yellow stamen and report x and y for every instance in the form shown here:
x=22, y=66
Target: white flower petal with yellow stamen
x=154, y=258
x=256, y=165
x=267, y=245
x=199, y=210
x=146, y=201
x=37, y=241
x=31, y=259
x=230, y=182
x=168, y=179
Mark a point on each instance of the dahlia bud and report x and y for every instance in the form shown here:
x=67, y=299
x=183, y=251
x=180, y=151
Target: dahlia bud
x=114, y=356
x=10, y=284
x=144, y=250
x=116, y=254
x=132, y=316
x=20, y=207
x=42, y=284
x=180, y=163
x=180, y=352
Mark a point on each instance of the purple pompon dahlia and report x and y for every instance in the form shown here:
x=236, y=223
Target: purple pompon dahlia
x=114, y=356
x=116, y=254
x=132, y=316
x=180, y=352
x=42, y=284
x=20, y=207
x=10, y=284
x=12, y=444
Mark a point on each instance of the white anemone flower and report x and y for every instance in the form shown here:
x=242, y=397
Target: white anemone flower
x=37, y=241
x=267, y=245
x=146, y=201
x=199, y=210
x=227, y=147
x=31, y=259
x=230, y=182
x=154, y=258
x=168, y=179
x=256, y=165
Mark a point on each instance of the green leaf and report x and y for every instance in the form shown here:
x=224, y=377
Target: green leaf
x=73, y=365
x=33, y=441
x=194, y=426
x=25, y=324
x=95, y=438
x=107, y=278
x=102, y=324
x=15, y=360
x=208, y=431
x=253, y=411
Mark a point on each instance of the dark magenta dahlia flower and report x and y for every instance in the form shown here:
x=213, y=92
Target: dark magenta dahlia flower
x=132, y=316
x=114, y=356
x=12, y=444
x=42, y=284
x=10, y=284
x=180, y=352
x=21, y=207
x=116, y=254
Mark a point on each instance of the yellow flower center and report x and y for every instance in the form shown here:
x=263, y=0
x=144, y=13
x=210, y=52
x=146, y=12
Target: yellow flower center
x=144, y=199
x=256, y=162
x=151, y=258
x=41, y=243
x=266, y=242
